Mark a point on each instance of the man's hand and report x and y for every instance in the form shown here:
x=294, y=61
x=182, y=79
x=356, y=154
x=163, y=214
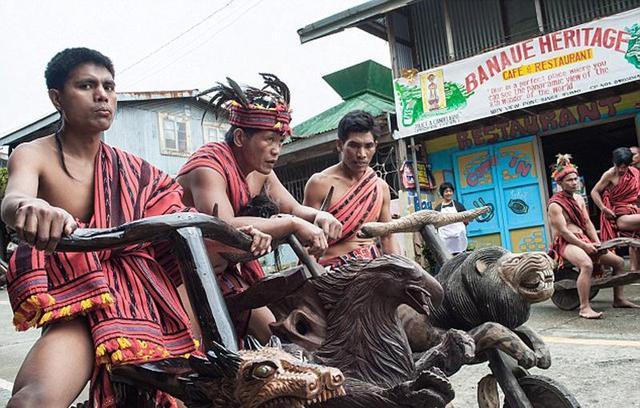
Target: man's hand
x=589, y=248
x=261, y=242
x=42, y=225
x=609, y=213
x=330, y=225
x=310, y=236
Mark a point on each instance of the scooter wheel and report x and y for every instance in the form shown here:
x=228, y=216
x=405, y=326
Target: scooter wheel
x=567, y=299
x=543, y=392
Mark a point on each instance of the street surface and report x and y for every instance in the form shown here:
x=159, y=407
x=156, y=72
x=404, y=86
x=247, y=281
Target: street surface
x=597, y=360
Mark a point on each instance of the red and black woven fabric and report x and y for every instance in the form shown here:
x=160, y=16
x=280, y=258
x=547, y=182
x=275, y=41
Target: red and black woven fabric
x=575, y=216
x=621, y=199
x=275, y=119
x=128, y=295
x=219, y=157
x=361, y=203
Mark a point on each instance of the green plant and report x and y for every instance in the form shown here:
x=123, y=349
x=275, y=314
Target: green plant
x=4, y=177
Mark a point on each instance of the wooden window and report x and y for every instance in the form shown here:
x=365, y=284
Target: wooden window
x=174, y=135
x=214, y=132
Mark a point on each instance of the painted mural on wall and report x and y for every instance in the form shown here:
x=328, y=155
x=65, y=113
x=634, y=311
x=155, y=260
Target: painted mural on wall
x=528, y=239
x=503, y=177
x=596, y=55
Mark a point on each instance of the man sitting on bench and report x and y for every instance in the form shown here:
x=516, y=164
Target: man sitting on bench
x=575, y=237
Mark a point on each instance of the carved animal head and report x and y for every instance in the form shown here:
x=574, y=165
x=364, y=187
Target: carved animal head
x=493, y=284
x=528, y=273
x=263, y=377
x=389, y=279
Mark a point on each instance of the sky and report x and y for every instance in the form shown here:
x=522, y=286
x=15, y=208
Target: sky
x=172, y=45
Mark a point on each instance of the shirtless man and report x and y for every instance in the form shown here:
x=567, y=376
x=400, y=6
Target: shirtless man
x=634, y=253
x=575, y=237
x=359, y=194
x=616, y=195
x=230, y=175
x=72, y=179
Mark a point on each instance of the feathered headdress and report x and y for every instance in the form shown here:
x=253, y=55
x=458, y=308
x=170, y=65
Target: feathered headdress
x=266, y=108
x=563, y=167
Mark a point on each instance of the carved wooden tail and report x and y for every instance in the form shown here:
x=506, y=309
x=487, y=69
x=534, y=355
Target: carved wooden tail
x=416, y=221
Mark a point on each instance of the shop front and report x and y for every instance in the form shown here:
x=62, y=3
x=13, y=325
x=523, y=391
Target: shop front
x=493, y=124
x=505, y=165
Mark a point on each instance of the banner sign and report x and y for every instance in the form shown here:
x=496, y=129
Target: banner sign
x=580, y=59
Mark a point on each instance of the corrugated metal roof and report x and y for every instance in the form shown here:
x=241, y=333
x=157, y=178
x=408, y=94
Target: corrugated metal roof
x=328, y=120
x=349, y=18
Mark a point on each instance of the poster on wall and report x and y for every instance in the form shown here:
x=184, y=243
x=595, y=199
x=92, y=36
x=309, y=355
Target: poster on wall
x=425, y=176
x=596, y=55
x=582, y=189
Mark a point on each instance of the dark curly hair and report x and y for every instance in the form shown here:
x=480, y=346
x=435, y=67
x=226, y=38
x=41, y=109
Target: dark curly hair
x=357, y=121
x=58, y=69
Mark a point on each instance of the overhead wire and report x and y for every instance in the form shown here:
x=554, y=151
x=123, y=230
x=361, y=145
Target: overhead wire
x=243, y=13
x=174, y=39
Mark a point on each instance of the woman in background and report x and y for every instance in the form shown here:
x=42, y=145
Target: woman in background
x=453, y=235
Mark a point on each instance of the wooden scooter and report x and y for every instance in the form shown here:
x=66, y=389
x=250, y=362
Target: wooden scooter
x=565, y=294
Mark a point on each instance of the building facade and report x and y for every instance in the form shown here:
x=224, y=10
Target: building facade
x=163, y=128
x=491, y=90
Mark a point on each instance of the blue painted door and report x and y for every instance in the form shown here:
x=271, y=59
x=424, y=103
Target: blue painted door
x=504, y=177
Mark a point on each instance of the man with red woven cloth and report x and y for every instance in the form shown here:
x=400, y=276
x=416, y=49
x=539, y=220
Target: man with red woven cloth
x=234, y=175
x=574, y=236
x=361, y=196
x=97, y=309
x=616, y=194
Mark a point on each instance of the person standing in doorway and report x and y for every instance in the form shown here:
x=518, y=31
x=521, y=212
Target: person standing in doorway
x=453, y=235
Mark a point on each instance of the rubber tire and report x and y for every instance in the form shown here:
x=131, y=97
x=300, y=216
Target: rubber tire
x=568, y=299
x=543, y=392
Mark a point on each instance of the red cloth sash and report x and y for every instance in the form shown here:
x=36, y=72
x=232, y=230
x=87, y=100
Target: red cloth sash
x=575, y=216
x=364, y=252
x=361, y=203
x=219, y=157
x=621, y=199
x=128, y=295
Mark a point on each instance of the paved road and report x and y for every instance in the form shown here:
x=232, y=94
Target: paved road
x=599, y=361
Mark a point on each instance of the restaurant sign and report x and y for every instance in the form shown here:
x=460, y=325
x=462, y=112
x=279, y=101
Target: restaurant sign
x=584, y=58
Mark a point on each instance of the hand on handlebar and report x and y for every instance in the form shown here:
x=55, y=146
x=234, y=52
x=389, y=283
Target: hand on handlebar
x=260, y=242
x=41, y=225
x=609, y=213
x=590, y=249
x=311, y=236
x=330, y=225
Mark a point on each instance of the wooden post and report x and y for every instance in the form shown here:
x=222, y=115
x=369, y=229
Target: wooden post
x=204, y=293
x=513, y=393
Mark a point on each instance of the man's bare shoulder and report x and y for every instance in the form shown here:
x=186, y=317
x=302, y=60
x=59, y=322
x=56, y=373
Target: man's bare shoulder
x=554, y=207
x=325, y=176
x=332, y=171
x=579, y=199
x=383, y=184
x=609, y=174
x=35, y=152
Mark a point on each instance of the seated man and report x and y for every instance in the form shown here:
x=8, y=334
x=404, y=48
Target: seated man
x=229, y=175
x=616, y=195
x=575, y=238
x=634, y=253
x=97, y=309
x=359, y=194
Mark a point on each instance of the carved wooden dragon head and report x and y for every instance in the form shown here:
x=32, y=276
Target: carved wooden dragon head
x=257, y=377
